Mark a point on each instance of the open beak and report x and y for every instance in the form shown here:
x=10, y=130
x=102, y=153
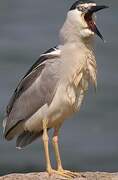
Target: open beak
x=94, y=9
x=93, y=26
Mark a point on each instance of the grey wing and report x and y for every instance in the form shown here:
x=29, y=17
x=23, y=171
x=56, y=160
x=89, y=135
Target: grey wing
x=32, y=74
x=35, y=90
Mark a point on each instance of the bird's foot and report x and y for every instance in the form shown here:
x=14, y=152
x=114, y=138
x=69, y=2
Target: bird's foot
x=64, y=173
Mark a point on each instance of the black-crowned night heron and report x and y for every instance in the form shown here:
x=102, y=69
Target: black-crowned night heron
x=56, y=84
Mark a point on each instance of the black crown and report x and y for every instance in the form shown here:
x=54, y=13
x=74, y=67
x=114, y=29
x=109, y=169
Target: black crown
x=77, y=3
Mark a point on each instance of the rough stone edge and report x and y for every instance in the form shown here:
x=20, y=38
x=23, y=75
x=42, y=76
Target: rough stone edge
x=45, y=176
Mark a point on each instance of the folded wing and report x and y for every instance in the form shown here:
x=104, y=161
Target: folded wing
x=35, y=89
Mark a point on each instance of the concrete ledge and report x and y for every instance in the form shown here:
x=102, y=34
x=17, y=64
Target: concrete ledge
x=45, y=176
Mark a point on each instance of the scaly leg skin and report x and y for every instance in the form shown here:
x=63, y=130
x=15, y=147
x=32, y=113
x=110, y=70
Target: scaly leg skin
x=60, y=171
x=46, y=148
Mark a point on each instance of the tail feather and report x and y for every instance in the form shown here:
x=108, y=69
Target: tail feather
x=26, y=138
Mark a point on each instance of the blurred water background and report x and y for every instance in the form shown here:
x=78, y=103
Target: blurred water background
x=89, y=141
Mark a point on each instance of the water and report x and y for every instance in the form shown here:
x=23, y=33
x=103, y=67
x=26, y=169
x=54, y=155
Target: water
x=89, y=141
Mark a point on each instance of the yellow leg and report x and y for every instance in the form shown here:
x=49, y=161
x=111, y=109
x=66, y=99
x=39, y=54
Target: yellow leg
x=60, y=170
x=46, y=148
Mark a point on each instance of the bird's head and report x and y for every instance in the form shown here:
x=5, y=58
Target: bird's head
x=81, y=16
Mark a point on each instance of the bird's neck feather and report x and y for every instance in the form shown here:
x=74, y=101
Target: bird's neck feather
x=70, y=33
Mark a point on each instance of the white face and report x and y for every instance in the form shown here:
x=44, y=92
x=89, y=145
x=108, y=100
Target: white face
x=77, y=17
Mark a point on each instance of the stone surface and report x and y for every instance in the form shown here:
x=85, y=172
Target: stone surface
x=45, y=176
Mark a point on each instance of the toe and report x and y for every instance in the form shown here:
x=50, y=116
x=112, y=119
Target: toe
x=73, y=173
x=64, y=174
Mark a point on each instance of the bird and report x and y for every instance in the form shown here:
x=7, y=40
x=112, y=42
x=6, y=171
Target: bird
x=55, y=86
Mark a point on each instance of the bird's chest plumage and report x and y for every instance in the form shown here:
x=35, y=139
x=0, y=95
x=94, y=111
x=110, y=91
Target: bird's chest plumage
x=76, y=91
x=84, y=72
x=67, y=100
x=74, y=79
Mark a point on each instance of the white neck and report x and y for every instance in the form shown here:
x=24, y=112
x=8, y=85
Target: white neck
x=71, y=33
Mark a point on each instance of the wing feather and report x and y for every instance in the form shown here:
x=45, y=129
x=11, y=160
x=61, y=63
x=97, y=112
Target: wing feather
x=35, y=89
x=25, y=83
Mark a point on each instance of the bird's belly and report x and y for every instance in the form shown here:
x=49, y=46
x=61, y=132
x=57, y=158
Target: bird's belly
x=59, y=109
x=66, y=101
